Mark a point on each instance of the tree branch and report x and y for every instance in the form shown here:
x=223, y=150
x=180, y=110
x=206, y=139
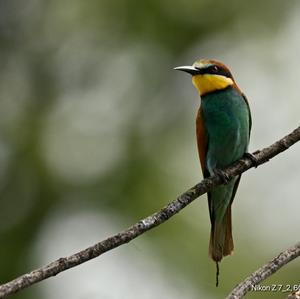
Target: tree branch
x=149, y=222
x=264, y=272
x=294, y=295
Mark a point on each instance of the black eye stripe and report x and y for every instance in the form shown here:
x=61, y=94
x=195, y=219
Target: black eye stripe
x=215, y=70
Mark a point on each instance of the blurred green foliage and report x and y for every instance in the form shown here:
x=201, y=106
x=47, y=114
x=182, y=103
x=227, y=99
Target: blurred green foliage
x=88, y=116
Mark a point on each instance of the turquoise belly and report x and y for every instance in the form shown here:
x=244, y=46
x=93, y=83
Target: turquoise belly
x=226, y=121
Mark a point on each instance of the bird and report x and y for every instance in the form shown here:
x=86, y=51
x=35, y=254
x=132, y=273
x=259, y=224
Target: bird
x=223, y=126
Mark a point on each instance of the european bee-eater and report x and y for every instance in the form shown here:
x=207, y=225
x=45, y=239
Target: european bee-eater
x=223, y=127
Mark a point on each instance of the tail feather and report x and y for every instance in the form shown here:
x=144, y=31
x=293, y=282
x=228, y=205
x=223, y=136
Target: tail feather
x=221, y=241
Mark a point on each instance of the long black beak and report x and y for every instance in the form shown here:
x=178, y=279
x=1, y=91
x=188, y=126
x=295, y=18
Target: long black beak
x=188, y=69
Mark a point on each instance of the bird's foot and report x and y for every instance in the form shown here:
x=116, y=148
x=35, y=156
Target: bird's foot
x=222, y=175
x=252, y=158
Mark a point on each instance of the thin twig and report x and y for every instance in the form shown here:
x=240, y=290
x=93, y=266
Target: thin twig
x=251, y=282
x=149, y=222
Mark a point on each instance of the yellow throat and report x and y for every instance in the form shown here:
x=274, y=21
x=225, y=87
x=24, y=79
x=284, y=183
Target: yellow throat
x=207, y=83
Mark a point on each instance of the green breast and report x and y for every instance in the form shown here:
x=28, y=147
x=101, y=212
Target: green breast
x=226, y=120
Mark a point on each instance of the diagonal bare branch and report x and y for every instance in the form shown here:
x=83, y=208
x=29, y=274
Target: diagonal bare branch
x=149, y=222
x=295, y=295
x=264, y=272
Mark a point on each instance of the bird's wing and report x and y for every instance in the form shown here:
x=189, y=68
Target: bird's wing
x=250, y=126
x=249, y=111
x=202, y=141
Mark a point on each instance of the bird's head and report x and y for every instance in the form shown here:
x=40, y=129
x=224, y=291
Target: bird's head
x=209, y=75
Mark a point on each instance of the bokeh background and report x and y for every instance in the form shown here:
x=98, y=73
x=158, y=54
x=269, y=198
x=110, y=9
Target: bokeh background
x=98, y=131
